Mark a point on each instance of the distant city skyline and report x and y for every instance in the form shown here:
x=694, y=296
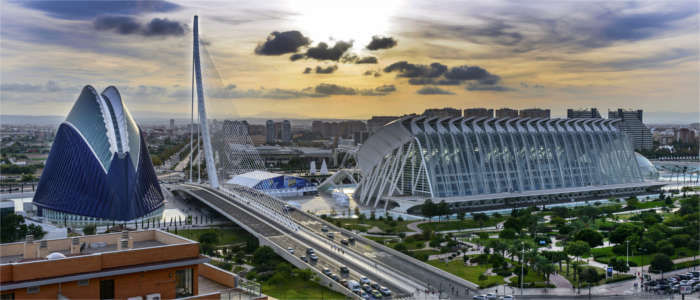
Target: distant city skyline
x=313, y=60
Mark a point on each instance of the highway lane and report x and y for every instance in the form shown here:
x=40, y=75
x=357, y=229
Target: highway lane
x=299, y=241
x=413, y=267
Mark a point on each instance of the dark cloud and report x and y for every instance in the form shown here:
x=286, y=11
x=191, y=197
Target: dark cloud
x=49, y=87
x=82, y=10
x=433, y=90
x=387, y=88
x=367, y=60
x=296, y=57
x=406, y=69
x=433, y=81
x=307, y=70
x=323, y=52
x=129, y=25
x=382, y=90
x=334, y=89
x=372, y=73
x=381, y=43
x=278, y=43
x=467, y=73
x=326, y=70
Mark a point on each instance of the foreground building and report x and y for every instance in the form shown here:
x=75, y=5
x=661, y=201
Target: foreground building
x=479, y=163
x=99, y=169
x=144, y=265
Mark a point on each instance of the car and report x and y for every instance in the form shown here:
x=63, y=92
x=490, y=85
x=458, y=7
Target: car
x=330, y=235
x=364, y=280
x=304, y=258
x=351, y=240
x=376, y=294
x=288, y=208
x=364, y=295
x=696, y=274
x=290, y=249
x=344, y=270
x=507, y=297
x=684, y=282
x=335, y=277
x=490, y=296
x=324, y=228
x=385, y=291
x=343, y=282
x=354, y=286
x=326, y=272
x=696, y=288
x=345, y=242
x=313, y=257
x=309, y=250
x=479, y=297
x=367, y=287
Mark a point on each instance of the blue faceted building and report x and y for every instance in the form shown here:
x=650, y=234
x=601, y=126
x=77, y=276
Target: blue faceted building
x=99, y=169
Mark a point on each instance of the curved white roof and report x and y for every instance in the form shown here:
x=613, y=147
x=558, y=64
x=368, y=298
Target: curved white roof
x=251, y=179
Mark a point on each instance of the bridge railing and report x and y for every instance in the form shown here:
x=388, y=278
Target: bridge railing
x=265, y=203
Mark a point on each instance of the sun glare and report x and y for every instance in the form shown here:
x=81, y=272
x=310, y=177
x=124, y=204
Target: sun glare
x=325, y=21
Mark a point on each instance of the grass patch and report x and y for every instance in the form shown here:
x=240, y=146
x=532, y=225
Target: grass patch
x=603, y=255
x=227, y=235
x=297, y=288
x=470, y=273
x=458, y=224
x=389, y=227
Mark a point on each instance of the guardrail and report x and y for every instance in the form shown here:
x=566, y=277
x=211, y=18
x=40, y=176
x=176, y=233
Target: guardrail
x=394, y=252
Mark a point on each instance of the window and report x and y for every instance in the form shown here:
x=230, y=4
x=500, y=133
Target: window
x=183, y=283
x=33, y=290
x=85, y=282
x=107, y=289
x=8, y=296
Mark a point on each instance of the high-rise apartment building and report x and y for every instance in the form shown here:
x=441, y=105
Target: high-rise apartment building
x=172, y=124
x=535, y=113
x=632, y=125
x=270, y=132
x=286, y=131
x=478, y=112
x=583, y=113
x=506, y=113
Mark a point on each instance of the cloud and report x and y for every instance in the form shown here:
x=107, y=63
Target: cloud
x=128, y=25
x=82, y=10
x=433, y=90
x=334, y=89
x=406, y=69
x=426, y=81
x=50, y=87
x=323, y=52
x=143, y=91
x=381, y=43
x=278, y=43
x=321, y=70
x=296, y=57
x=367, y=60
x=372, y=73
x=484, y=87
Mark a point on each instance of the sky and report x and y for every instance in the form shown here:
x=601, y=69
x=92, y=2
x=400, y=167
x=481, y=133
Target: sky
x=353, y=59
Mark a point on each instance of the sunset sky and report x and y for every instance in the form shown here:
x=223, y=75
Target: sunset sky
x=353, y=59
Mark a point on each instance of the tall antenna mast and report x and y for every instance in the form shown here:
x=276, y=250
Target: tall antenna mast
x=192, y=124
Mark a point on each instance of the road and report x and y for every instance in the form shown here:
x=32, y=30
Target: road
x=300, y=240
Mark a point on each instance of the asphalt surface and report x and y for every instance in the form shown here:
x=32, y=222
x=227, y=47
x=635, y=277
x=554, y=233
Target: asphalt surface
x=299, y=241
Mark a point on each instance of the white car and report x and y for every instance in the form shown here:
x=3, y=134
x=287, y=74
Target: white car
x=479, y=297
x=364, y=280
x=290, y=249
x=490, y=296
x=507, y=297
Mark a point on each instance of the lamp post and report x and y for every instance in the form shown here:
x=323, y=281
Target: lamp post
x=522, y=269
x=628, y=253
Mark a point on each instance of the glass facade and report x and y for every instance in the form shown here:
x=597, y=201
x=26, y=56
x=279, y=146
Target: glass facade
x=452, y=157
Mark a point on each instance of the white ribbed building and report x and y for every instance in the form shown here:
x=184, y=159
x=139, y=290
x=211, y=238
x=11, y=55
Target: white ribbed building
x=483, y=162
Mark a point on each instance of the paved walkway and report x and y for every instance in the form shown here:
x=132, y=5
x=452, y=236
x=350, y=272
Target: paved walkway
x=560, y=281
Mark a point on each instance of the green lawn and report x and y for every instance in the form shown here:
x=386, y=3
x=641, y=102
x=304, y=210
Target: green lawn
x=364, y=225
x=227, y=235
x=296, y=288
x=603, y=255
x=458, y=224
x=470, y=273
x=532, y=279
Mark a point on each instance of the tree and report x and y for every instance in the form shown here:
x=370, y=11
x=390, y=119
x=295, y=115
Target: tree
x=357, y=211
x=590, y=276
x=480, y=218
x=619, y=265
x=590, y=236
x=264, y=257
x=632, y=202
x=507, y=233
x=89, y=229
x=443, y=209
x=209, y=237
x=623, y=231
x=14, y=228
x=460, y=216
x=577, y=248
x=429, y=209
x=661, y=263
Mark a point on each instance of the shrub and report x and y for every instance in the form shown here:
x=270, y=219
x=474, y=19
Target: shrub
x=89, y=229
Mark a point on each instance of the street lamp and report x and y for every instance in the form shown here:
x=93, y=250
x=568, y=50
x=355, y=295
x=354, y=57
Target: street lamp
x=628, y=253
x=522, y=269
